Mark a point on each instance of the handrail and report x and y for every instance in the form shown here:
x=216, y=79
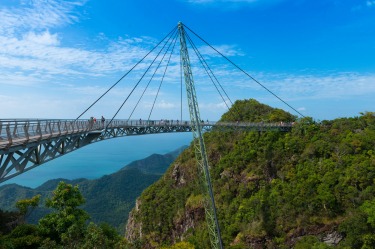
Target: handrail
x=25, y=130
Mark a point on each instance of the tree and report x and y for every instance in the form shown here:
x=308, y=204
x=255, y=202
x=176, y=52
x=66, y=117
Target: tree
x=180, y=245
x=66, y=225
x=26, y=206
x=8, y=220
x=103, y=236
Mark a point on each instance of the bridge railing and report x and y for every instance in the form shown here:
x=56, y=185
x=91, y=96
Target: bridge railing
x=22, y=131
x=254, y=124
x=13, y=132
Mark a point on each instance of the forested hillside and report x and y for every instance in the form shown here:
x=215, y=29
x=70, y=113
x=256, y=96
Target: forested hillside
x=108, y=199
x=312, y=187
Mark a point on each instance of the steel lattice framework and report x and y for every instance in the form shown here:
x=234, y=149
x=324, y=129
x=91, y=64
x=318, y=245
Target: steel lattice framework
x=199, y=146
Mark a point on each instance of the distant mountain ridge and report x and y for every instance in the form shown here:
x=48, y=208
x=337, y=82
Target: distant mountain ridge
x=108, y=199
x=150, y=164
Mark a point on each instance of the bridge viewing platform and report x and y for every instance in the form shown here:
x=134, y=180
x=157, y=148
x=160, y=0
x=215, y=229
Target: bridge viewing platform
x=27, y=143
x=21, y=132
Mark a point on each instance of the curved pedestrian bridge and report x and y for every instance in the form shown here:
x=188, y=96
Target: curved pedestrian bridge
x=20, y=133
x=27, y=143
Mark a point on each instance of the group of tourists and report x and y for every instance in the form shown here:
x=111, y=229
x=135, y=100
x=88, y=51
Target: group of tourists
x=92, y=121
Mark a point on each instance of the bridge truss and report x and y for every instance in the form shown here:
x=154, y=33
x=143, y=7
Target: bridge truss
x=26, y=144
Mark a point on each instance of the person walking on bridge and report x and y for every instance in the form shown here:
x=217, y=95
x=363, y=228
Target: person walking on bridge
x=103, y=120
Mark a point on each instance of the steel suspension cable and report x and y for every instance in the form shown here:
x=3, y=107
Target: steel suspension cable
x=213, y=75
x=123, y=103
x=172, y=31
x=181, y=86
x=161, y=60
x=222, y=88
x=161, y=82
x=205, y=66
x=239, y=68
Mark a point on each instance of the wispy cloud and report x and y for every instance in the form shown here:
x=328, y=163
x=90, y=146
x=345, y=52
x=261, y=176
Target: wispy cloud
x=230, y=4
x=315, y=86
x=31, y=48
x=42, y=51
x=223, y=1
x=227, y=50
x=29, y=44
x=37, y=15
x=370, y=3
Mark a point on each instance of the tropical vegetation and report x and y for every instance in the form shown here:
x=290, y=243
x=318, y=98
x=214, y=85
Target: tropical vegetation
x=66, y=227
x=312, y=187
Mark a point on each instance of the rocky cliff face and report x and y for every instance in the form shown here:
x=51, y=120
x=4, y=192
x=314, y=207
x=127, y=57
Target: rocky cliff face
x=185, y=211
x=133, y=228
x=181, y=225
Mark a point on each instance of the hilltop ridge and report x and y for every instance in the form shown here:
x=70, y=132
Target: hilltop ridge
x=313, y=186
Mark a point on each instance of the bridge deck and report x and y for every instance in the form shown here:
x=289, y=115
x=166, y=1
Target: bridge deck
x=25, y=144
x=14, y=133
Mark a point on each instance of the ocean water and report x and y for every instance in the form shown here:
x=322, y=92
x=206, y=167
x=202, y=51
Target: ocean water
x=102, y=158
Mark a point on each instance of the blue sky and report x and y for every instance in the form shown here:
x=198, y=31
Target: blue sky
x=57, y=57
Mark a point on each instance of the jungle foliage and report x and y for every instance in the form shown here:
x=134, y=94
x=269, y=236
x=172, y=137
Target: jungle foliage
x=313, y=187
x=116, y=192
x=66, y=227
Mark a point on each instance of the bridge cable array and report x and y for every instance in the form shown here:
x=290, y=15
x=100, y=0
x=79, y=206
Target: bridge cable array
x=209, y=71
x=169, y=40
x=148, y=68
x=239, y=68
x=166, y=67
x=172, y=31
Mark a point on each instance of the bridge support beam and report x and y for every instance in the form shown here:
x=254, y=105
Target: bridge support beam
x=199, y=146
x=24, y=149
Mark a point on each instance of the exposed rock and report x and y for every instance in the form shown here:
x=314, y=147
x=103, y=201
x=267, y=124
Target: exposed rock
x=226, y=174
x=332, y=238
x=133, y=229
x=178, y=175
x=256, y=243
x=189, y=220
x=325, y=233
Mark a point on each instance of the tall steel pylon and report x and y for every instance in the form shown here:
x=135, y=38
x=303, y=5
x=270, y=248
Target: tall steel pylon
x=200, y=150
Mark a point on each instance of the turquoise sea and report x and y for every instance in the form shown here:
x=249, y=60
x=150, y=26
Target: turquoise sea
x=102, y=158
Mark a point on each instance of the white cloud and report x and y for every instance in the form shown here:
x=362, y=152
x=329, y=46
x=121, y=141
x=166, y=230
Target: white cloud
x=230, y=4
x=44, y=38
x=29, y=44
x=165, y=105
x=42, y=51
x=162, y=104
x=37, y=15
x=314, y=86
x=221, y=1
x=213, y=106
x=227, y=50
